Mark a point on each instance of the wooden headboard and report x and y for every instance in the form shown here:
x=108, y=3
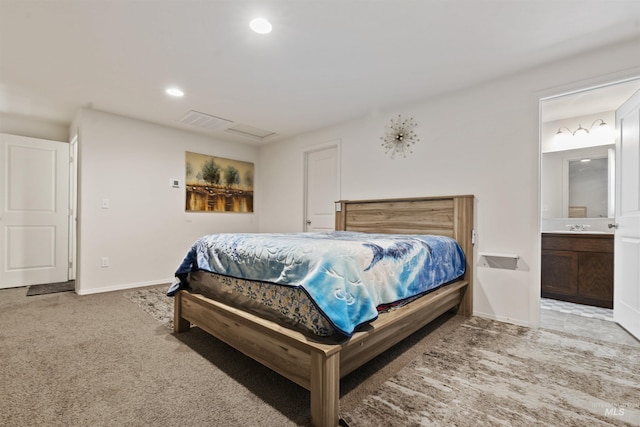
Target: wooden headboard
x=450, y=216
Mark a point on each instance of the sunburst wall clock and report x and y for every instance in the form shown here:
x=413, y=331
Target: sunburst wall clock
x=399, y=136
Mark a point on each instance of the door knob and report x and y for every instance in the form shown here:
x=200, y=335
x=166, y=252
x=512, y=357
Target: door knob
x=308, y=222
x=612, y=225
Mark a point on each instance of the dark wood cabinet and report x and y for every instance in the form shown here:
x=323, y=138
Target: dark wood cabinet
x=578, y=268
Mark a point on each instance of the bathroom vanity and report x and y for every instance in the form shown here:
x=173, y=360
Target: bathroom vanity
x=578, y=267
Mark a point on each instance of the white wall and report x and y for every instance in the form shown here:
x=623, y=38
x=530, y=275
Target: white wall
x=482, y=141
x=23, y=126
x=145, y=232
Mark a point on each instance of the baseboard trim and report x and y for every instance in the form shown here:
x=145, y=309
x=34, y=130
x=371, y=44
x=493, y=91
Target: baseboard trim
x=502, y=319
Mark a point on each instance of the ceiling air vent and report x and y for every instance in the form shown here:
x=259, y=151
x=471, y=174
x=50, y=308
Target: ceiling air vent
x=205, y=121
x=250, y=131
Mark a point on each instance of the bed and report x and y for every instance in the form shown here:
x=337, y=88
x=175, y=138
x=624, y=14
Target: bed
x=317, y=363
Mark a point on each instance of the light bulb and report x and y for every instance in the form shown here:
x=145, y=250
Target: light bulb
x=260, y=26
x=174, y=91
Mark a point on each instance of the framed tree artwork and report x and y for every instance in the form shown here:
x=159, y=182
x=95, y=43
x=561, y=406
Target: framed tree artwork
x=216, y=184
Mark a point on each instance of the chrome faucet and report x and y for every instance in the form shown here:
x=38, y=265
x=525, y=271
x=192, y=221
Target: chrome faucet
x=578, y=227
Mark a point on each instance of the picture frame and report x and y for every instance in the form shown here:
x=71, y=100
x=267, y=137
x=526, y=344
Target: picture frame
x=218, y=184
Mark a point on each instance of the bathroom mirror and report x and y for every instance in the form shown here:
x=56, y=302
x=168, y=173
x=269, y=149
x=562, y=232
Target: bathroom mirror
x=588, y=188
x=578, y=183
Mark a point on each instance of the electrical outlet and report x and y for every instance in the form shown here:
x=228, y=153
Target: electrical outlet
x=104, y=262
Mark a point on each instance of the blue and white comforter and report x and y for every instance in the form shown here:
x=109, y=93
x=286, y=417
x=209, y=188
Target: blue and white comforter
x=346, y=274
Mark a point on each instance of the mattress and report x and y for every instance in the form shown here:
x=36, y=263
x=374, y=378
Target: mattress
x=286, y=305
x=336, y=281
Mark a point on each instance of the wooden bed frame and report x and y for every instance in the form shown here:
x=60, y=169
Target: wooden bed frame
x=317, y=364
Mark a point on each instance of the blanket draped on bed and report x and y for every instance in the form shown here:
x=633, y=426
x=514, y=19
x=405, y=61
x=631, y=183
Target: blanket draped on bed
x=346, y=274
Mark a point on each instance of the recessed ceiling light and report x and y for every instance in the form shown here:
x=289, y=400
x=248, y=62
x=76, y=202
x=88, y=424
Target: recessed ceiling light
x=174, y=91
x=260, y=26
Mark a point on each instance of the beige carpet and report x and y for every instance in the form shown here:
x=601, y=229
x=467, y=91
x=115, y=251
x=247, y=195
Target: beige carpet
x=488, y=373
x=100, y=360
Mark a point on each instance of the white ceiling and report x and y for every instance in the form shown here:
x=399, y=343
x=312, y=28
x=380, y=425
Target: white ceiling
x=326, y=61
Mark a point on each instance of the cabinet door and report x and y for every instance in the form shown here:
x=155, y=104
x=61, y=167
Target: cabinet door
x=559, y=272
x=595, y=277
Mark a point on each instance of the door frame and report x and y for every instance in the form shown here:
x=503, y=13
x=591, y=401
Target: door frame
x=566, y=90
x=335, y=143
x=73, y=208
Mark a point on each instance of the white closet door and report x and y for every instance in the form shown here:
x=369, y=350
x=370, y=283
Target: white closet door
x=321, y=189
x=34, y=211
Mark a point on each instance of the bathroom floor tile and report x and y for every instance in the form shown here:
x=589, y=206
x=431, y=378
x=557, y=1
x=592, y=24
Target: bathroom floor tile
x=577, y=309
x=586, y=327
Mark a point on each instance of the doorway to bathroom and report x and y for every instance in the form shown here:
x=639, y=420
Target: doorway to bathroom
x=578, y=187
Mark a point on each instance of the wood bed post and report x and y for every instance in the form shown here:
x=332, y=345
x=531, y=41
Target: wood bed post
x=463, y=233
x=179, y=324
x=341, y=215
x=325, y=389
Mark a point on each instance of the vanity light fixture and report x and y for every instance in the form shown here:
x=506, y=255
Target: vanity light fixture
x=602, y=126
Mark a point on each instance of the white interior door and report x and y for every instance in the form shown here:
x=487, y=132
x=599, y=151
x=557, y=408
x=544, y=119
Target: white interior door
x=34, y=211
x=321, y=189
x=626, y=303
